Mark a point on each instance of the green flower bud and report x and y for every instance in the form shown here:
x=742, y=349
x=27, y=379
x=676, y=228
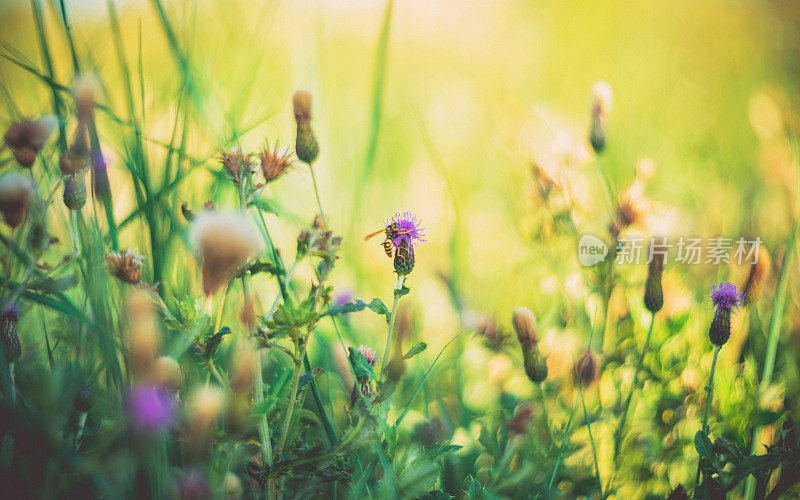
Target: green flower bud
x=306, y=146
x=653, y=293
x=404, y=258
x=586, y=369
x=535, y=365
x=75, y=192
x=720, y=330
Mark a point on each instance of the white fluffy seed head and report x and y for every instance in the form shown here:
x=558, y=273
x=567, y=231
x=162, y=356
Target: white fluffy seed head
x=225, y=241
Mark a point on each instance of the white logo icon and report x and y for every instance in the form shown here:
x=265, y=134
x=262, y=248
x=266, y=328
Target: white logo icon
x=591, y=250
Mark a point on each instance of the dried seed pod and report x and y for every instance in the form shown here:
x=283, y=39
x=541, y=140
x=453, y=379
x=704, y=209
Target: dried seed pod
x=274, y=163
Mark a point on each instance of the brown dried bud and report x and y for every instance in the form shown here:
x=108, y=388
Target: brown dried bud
x=525, y=325
x=236, y=163
x=586, y=369
x=16, y=192
x=518, y=425
x=27, y=138
x=301, y=103
x=125, y=266
x=274, y=162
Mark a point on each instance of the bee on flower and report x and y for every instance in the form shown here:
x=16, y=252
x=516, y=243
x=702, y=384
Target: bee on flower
x=403, y=232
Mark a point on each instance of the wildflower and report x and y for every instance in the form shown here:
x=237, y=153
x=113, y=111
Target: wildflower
x=405, y=227
x=167, y=373
x=274, y=163
x=236, y=163
x=404, y=258
x=204, y=408
x=364, y=383
x=150, y=409
x=125, y=266
x=586, y=369
x=243, y=369
x=725, y=298
x=78, y=157
x=86, y=87
x=759, y=270
x=144, y=333
x=518, y=425
x=75, y=191
x=653, y=293
x=16, y=192
x=525, y=326
x=627, y=213
x=8, y=333
x=27, y=138
x=225, y=241
x=306, y=145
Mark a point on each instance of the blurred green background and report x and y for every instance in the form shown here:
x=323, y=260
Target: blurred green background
x=441, y=108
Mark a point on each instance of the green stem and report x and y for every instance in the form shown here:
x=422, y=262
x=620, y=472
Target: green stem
x=594, y=449
x=258, y=387
x=316, y=193
x=710, y=395
x=564, y=440
x=12, y=396
x=546, y=416
x=287, y=419
x=626, y=406
x=400, y=281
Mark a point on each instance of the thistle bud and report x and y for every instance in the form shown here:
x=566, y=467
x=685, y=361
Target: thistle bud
x=274, y=162
x=125, y=266
x=653, y=293
x=725, y=298
x=525, y=325
x=306, y=146
x=535, y=365
x=597, y=134
x=16, y=192
x=518, y=425
x=404, y=258
x=25, y=139
x=75, y=191
x=586, y=369
x=78, y=158
x=8, y=333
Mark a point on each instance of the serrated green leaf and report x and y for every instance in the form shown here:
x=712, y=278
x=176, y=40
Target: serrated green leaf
x=402, y=291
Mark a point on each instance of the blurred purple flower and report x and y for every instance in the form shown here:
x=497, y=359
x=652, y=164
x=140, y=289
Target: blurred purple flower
x=150, y=408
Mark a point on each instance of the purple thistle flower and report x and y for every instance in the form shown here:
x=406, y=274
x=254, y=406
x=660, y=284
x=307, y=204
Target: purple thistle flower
x=725, y=296
x=368, y=353
x=409, y=229
x=150, y=408
x=11, y=313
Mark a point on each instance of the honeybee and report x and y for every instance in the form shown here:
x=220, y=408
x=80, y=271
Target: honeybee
x=391, y=231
